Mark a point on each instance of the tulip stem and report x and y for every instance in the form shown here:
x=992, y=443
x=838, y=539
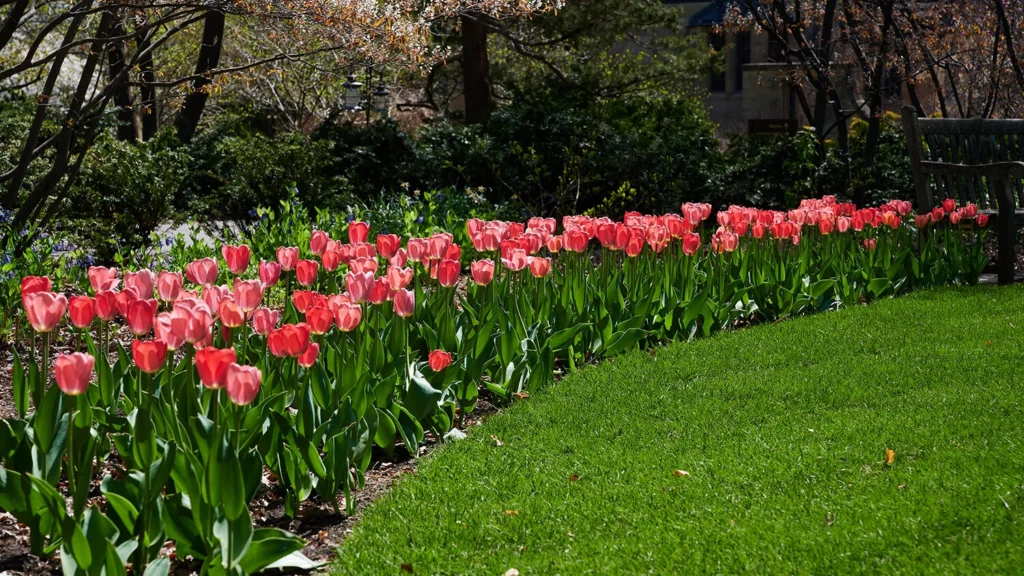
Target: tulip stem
x=44, y=374
x=71, y=458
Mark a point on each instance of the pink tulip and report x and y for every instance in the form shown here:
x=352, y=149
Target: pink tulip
x=44, y=310
x=73, y=372
x=539, y=267
x=231, y=315
x=270, y=273
x=347, y=316
x=318, y=242
x=405, y=303
x=106, y=305
x=102, y=279
x=248, y=294
x=202, y=272
x=264, y=320
x=140, y=317
x=163, y=332
x=398, y=278
x=242, y=383
x=168, y=285
x=388, y=245
x=482, y=272
x=359, y=285
x=143, y=282
x=287, y=258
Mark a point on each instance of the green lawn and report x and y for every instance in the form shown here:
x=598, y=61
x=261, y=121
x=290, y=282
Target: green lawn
x=783, y=431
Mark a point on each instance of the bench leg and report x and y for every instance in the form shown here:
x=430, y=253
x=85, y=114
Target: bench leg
x=1007, y=232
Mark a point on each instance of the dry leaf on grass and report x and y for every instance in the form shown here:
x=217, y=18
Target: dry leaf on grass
x=682, y=473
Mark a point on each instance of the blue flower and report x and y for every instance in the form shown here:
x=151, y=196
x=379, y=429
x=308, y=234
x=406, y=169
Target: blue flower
x=419, y=219
x=252, y=213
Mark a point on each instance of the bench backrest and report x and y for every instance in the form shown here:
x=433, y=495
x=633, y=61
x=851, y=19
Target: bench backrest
x=963, y=141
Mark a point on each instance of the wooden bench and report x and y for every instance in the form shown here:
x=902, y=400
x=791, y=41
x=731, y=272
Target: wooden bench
x=971, y=160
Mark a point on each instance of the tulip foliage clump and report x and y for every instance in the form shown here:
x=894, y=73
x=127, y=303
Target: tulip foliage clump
x=300, y=363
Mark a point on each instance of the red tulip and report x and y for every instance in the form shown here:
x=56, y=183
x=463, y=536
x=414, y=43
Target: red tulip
x=635, y=245
x=938, y=214
x=359, y=285
x=289, y=340
x=123, y=300
x=73, y=372
x=826, y=226
x=448, y=273
x=949, y=205
x=437, y=245
x=287, y=258
x=439, y=360
x=248, y=294
x=305, y=272
x=380, y=292
x=242, y=383
x=106, y=305
x=168, y=285
x=202, y=272
x=692, y=213
x=31, y=284
x=308, y=358
x=398, y=278
x=482, y=272
x=102, y=279
x=140, y=317
x=164, y=332
x=81, y=310
x=331, y=259
x=405, y=303
x=539, y=267
x=575, y=240
x=363, y=250
x=554, y=244
x=757, y=230
x=358, y=232
x=303, y=300
x=318, y=242
x=237, y=258
x=150, y=355
x=982, y=220
x=231, y=315
x=869, y=243
x=970, y=209
x=264, y=320
x=388, y=245
x=922, y=220
x=347, y=316
x=270, y=273
x=143, y=282
x=44, y=309
x=691, y=243
x=212, y=365
x=320, y=319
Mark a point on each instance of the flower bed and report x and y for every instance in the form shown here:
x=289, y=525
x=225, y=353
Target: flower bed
x=299, y=365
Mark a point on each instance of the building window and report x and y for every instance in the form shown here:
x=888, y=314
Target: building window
x=717, y=43
x=742, y=49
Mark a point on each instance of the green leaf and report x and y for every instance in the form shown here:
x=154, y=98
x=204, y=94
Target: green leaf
x=234, y=537
x=21, y=387
x=421, y=398
x=268, y=546
x=160, y=567
x=563, y=338
x=232, y=484
x=624, y=340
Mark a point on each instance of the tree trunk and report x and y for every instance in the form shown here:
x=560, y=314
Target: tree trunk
x=10, y=24
x=128, y=129
x=475, y=76
x=825, y=55
x=148, y=106
x=209, y=58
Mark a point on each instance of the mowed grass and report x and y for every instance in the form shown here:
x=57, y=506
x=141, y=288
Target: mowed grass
x=783, y=431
